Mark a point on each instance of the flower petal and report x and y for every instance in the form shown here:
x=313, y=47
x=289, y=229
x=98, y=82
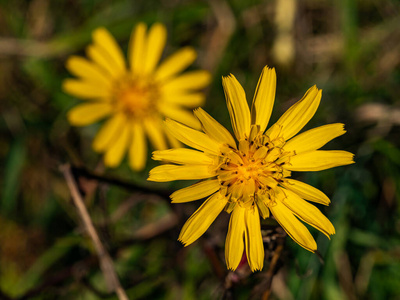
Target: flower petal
x=214, y=129
x=192, y=80
x=88, y=113
x=155, y=132
x=315, y=138
x=319, y=160
x=104, y=39
x=109, y=132
x=137, y=48
x=137, y=148
x=253, y=239
x=104, y=60
x=306, y=191
x=234, y=244
x=183, y=156
x=203, y=217
x=155, y=46
x=178, y=114
x=115, y=153
x=175, y=63
x=264, y=98
x=169, y=172
x=196, y=191
x=308, y=213
x=237, y=106
x=298, y=115
x=87, y=70
x=86, y=89
x=185, y=99
x=293, y=227
x=192, y=137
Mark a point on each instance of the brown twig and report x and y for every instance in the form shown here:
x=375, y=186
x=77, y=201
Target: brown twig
x=271, y=271
x=106, y=264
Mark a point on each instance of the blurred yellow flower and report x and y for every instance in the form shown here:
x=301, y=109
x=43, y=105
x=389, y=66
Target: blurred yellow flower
x=250, y=177
x=134, y=100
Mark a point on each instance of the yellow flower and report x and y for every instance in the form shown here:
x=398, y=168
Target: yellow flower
x=134, y=99
x=250, y=177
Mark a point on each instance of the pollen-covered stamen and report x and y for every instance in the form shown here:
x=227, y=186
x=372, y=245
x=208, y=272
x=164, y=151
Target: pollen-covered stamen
x=136, y=97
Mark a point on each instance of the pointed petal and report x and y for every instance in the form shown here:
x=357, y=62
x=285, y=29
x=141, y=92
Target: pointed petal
x=183, y=156
x=315, y=138
x=253, y=239
x=175, y=63
x=319, y=160
x=192, y=137
x=104, y=60
x=109, y=132
x=88, y=113
x=237, y=106
x=306, y=191
x=264, y=98
x=155, y=46
x=214, y=129
x=116, y=152
x=234, y=244
x=199, y=222
x=88, y=71
x=298, y=115
x=155, y=132
x=104, y=39
x=308, y=213
x=137, y=148
x=86, y=89
x=137, y=48
x=178, y=114
x=196, y=191
x=293, y=227
x=192, y=80
x=169, y=172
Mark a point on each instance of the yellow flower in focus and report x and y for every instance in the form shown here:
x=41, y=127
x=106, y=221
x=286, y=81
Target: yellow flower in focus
x=250, y=177
x=134, y=99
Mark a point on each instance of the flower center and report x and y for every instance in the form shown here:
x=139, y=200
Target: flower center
x=135, y=96
x=253, y=169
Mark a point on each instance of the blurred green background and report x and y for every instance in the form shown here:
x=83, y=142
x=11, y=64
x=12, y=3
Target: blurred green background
x=349, y=48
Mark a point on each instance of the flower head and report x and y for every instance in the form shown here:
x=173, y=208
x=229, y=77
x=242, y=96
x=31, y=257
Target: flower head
x=133, y=99
x=250, y=177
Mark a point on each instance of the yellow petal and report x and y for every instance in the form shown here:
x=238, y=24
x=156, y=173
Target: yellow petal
x=196, y=191
x=203, y=217
x=264, y=98
x=155, y=46
x=137, y=48
x=86, y=89
x=253, y=239
x=319, y=160
x=298, y=115
x=261, y=201
x=293, y=227
x=315, y=138
x=109, y=132
x=138, y=148
x=169, y=172
x=192, y=80
x=175, y=63
x=115, y=153
x=237, y=106
x=172, y=140
x=234, y=244
x=88, y=71
x=185, y=99
x=192, y=137
x=306, y=191
x=178, y=114
x=183, y=156
x=104, y=60
x=308, y=213
x=104, y=39
x=155, y=132
x=88, y=113
x=214, y=129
